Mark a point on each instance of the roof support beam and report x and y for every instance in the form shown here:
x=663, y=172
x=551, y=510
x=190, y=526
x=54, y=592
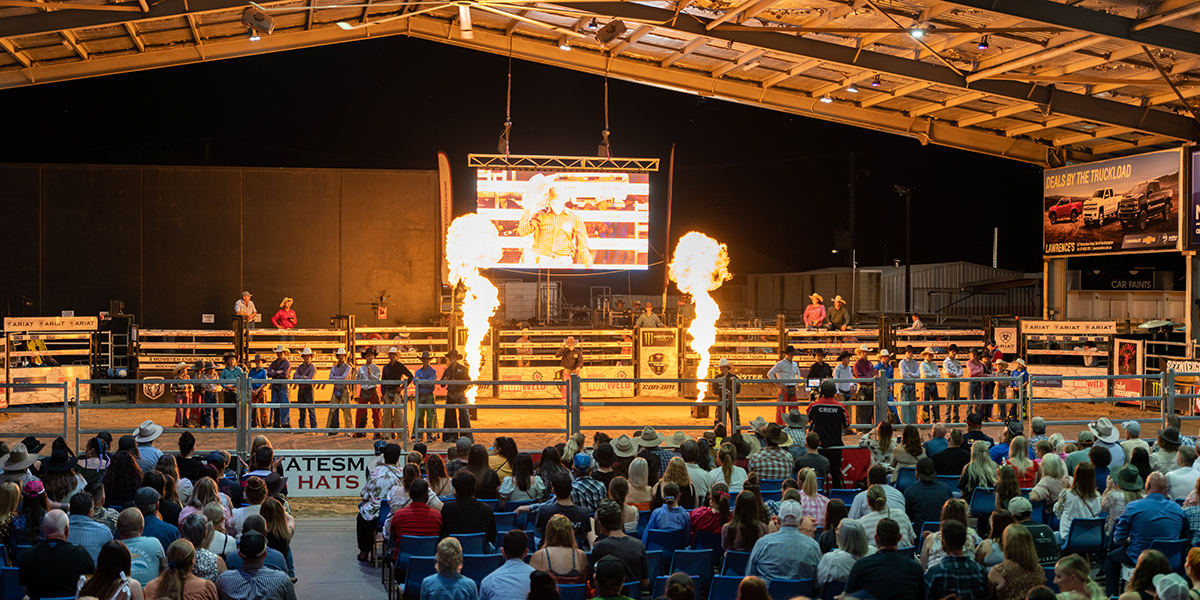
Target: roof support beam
x=48, y=6
x=949, y=102
x=1095, y=134
x=744, y=7
x=1167, y=17
x=133, y=35
x=633, y=38
x=691, y=47
x=1118, y=145
x=903, y=90
x=775, y=80
x=1091, y=62
x=10, y=48
x=1066, y=44
x=996, y=114
x=71, y=41
x=837, y=85
x=512, y=26
x=191, y=20
x=1032, y=127
x=962, y=38
x=739, y=62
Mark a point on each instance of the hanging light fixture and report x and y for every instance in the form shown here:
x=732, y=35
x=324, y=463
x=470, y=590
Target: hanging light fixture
x=826, y=99
x=876, y=82
x=983, y=42
x=853, y=89
x=464, y=22
x=592, y=25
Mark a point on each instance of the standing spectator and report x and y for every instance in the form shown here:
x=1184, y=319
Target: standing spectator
x=909, y=369
x=1080, y=501
x=425, y=417
x=814, y=313
x=976, y=370
x=394, y=371
x=280, y=368
x=380, y=482
x=865, y=415
x=773, y=462
x=887, y=574
x=952, y=370
x=886, y=367
x=785, y=369
x=230, y=371
x=929, y=370
x=457, y=421
x=956, y=574
x=560, y=547
x=839, y=318
x=339, y=372
x=613, y=542
x=1020, y=571
x=209, y=417
x=304, y=391
x=253, y=581
x=1154, y=517
x=511, y=580
x=285, y=317
x=851, y=547
x=924, y=499
x=465, y=514
x=791, y=552
x=85, y=532
x=933, y=551
x=111, y=578
x=829, y=418
x=880, y=511
x=258, y=393
x=149, y=558
x=181, y=392
x=178, y=581
x=51, y=568
x=368, y=393
x=843, y=370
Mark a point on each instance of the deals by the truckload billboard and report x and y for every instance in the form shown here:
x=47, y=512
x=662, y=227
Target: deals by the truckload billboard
x=568, y=220
x=1126, y=204
x=658, y=358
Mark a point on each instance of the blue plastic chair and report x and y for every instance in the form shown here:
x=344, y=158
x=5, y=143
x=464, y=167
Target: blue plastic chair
x=1173, y=550
x=1050, y=579
x=410, y=546
x=472, y=543
x=697, y=563
x=724, y=587
x=3, y=556
x=632, y=589
x=11, y=583
x=1039, y=511
x=667, y=540
x=478, y=566
x=790, y=588
x=18, y=552
x=660, y=585
x=506, y=521
x=735, y=563
x=905, y=476
x=832, y=590
x=1084, y=537
x=930, y=526
x=770, y=485
x=983, y=502
x=419, y=567
x=385, y=510
x=909, y=551
x=845, y=495
x=776, y=496
x=513, y=505
x=654, y=563
x=574, y=591
x=644, y=520
x=494, y=505
x=711, y=541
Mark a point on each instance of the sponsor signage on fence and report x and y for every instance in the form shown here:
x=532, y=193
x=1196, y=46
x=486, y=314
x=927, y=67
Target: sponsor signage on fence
x=51, y=323
x=1120, y=205
x=1131, y=357
x=319, y=473
x=50, y=376
x=658, y=358
x=1070, y=388
x=1006, y=340
x=1069, y=327
x=1184, y=366
x=591, y=389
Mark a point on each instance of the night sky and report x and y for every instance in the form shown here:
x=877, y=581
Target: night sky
x=771, y=185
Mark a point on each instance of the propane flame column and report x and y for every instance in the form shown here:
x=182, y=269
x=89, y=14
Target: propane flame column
x=699, y=266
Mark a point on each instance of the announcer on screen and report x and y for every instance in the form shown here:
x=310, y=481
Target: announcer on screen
x=559, y=235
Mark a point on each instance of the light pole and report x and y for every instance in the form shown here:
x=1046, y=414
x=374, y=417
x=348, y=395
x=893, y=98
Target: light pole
x=907, y=193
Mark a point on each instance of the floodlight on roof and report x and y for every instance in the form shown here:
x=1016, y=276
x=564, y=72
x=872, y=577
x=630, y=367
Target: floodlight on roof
x=257, y=21
x=853, y=89
x=826, y=99
x=919, y=30
x=876, y=82
x=564, y=44
x=611, y=31
x=593, y=25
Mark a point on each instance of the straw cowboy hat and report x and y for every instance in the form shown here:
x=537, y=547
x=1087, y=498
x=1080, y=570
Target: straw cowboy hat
x=17, y=459
x=306, y=351
x=650, y=438
x=624, y=446
x=816, y=296
x=285, y=301
x=340, y=352
x=179, y=367
x=928, y=351
x=839, y=299
x=676, y=440
x=1104, y=431
x=393, y=350
x=280, y=348
x=148, y=431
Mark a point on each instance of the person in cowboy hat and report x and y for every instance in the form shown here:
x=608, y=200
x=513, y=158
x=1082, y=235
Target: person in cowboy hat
x=1019, y=385
x=425, y=417
x=285, y=317
x=1109, y=438
x=773, y=462
x=727, y=387
x=210, y=396
x=16, y=465
x=280, y=368
x=394, y=370
x=844, y=370
x=304, y=392
x=196, y=371
x=814, y=313
x=909, y=369
x=340, y=372
x=457, y=421
x=838, y=318
x=794, y=424
x=657, y=458
x=886, y=366
x=405, y=346
x=863, y=369
x=180, y=393
x=231, y=371
x=258, y=392
x=245, y=307
x=368, y=393
x=929, y=370
x=145, y=435
x=785, y=369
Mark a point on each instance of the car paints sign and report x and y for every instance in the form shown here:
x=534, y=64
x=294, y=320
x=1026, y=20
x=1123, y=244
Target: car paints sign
x=1120, y=205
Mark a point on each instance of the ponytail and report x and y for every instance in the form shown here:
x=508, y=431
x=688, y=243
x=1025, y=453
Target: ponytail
x=720, y=493
x=181, y=555
x=727, y=455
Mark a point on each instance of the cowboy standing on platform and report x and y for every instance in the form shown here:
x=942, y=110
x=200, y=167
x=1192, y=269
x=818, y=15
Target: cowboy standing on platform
x=425, y=417
x=572, y=363
x=457, y=421
x=304, y=392
x=785, y=369
x=280, y=368
x=727, y=386
x=340, y=372
x=393, y=371
x=245, y=307
x=368, y=393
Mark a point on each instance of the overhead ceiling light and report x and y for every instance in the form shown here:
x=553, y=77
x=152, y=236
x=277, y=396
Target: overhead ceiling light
x=826, y=99
x=344, y=25
x=564, y=44
x=592, y=25
x=257, y=21
x=254, y=37
x=611, y=31
x=852, y=89
x=876, y=82
x=917, y=32
x=983, y=42
x=464, y=22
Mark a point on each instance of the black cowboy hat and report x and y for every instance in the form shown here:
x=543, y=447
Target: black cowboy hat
x=32, y=445
x=60, y=461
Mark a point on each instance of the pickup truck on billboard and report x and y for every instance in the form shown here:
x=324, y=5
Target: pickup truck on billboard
x=1101, y=207
x=1145, y=201
x=1066, y=209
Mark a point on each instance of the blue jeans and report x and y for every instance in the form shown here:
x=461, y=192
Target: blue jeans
x=279, y=395
x=931, y=395
x=953, y=394
x=210, y=413
x=908, y=393
x=305, y=396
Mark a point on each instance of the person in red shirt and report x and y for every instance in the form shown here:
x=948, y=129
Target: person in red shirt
x=416, y=518
x=286, y=317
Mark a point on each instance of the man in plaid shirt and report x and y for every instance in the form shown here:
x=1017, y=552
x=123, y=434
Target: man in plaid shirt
x=586, y=493
x=956, y=574
x=773, y=462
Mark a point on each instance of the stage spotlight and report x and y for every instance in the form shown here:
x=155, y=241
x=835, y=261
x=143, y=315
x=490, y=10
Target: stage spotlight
x=592, y=25
x=257, y=21
x=254, y=37
x=853, y=89
x=564, y=45
x=826, y=99
x=983, y=43
x=464, y=22
x=876, y=82
x=611, y=31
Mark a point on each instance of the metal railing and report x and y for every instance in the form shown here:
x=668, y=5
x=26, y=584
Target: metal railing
x=65, y=409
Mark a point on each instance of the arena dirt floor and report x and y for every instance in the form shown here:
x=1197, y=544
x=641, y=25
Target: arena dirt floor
x=613, y=419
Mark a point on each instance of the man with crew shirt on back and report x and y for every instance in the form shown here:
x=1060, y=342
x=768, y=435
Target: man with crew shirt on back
x=829, y=418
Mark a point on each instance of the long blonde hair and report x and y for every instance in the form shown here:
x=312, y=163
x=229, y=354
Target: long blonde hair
x=559, y=532
x=10, y=495
x=808, y=481
x=1074, y=564
x=1018, y=547
x=572, y=447
x=981, y=469
x=677, y=473
x=727, y=455
x=639, y=473
x=1018, y=454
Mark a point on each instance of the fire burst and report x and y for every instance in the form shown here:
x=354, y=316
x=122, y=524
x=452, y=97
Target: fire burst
x=472, y=243
x=701, y=265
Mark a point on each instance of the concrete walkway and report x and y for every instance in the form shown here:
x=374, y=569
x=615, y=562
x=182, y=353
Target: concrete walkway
x=325, y=555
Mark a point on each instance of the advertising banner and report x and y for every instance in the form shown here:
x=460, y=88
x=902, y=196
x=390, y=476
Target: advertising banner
x=445, y=208
x=658, y=358
x=1069, y=388
x=48, y=375
x=1131, y=358
x=593, y=389
x=51, y=323
x=1194, y=218
x=1006, y=340
x=324, y=473
x=1069, y=327
x=1118, y=205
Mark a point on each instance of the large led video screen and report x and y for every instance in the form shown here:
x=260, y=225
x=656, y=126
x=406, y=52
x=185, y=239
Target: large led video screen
x=568, y=220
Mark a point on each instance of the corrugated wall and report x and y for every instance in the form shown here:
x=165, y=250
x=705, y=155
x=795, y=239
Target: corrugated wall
x=931, y=285
x=770, y=294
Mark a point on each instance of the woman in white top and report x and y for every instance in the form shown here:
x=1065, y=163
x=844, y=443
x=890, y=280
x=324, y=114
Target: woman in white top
x=877, y=501
x=523, y=485
x=398, y=496
x=1054, y=480
x=852, y=545
x=618, y=489
x=1081, y=500
x=883, y=444
x=932, y=552
x=727, y=471
x=221, y=544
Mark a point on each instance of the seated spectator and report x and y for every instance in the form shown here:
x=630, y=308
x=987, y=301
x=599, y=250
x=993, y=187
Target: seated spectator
x=121, y=480
x=167, y=511
x=435, y=474
x=1192, y=567
x=273, y=560
x=204, y=492
x=835, y=512
x=956, y=456
x=1073, y=576
x=1152, y=565
x=791, y=552
x=1045, y=545
x=523, y=485
x=178, y=582
x=937, y=440
x=614, y=542
x=1081, y=500
x=1164, y=459
x=100, y=513
x=1183, y=479
x=932, y=550
x=1133, y=431
x=876, y=475
x=714, y=513
x=1018, y=459
x=812, y=502
x=676, y=473
x=680, y=587
x=877, y=500
x=887, y=574
x=924, y=499
x=401, y=495
x=220, y=543
x=1154, y=517
x=89, y=534
x=189, y=467
x=975, y=431
x=669, y=516
x=773, y=505
x=379, y=484
x=147, y=552
x=27, y=526
x=1012, y=430
x=111, y=578
x=881, y=445
x=1124, y=486
x=51, y=568
x=618, y=490
x=851, y=547
x=727, y=470
x=1020, y=571
x=744, y=529
x=416, y=519
x=955, y=573
x=1007, y=487
x=753, y=588
x=610, y=578
x=251, y=580
x=197, y=530
x=1100, y=459
x=773, y=462
x=908, y=452
x=980, y=472
x=586, y=492
x=487, y=484
x=466, y=514
x=689, y=451
x=560, y=556
x=511, y=580
x=991, y=552
x=1054, y=479
x=462, y=453
x=146, y=501
x=812, y=459
x=448, y=583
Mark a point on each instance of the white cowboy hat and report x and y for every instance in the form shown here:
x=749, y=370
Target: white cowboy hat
x=306, y=351
x=280, y=348
x=1020, y=361
x=405, y=334
x=393, y=350
x=928, y=350
x=864, y=348
x=650, y=438
x=340, y=352
x=148, y=431
x=883, y=352
x=1104, y=431
x=724, y=362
